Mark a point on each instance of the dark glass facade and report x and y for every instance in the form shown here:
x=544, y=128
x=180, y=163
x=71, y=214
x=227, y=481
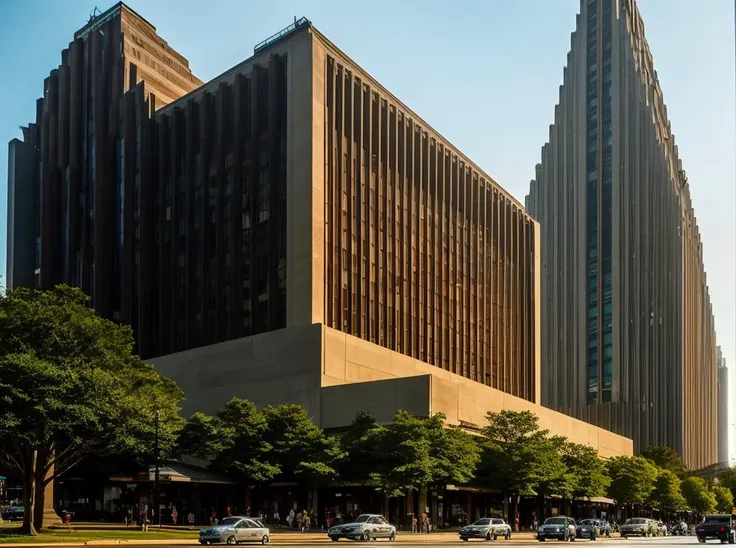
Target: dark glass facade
x=173, y=219
x=599, y=162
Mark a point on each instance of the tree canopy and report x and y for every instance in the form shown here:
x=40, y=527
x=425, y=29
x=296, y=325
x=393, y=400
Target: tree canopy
x=698, y=496
x=665, y=458
x=70, y=386
x=518, y=457
x=724, y=499
x=667, y=495
x=632, y=479
x=586, y=470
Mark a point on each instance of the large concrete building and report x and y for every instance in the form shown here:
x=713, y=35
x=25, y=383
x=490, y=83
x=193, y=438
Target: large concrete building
x=628, y=338
x=291, y=232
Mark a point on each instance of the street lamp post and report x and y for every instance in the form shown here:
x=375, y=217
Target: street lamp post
x=156, y=498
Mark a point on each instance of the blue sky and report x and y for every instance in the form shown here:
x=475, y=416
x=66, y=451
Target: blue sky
x=484, y=73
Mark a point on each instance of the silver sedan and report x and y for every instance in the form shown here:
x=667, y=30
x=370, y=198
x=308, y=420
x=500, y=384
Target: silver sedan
x=365, y=527
x=235, y=530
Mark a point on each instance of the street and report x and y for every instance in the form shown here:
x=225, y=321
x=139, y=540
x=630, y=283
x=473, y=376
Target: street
x=443, y=540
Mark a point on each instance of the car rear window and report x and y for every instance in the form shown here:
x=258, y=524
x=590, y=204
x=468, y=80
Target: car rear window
x=718, y=519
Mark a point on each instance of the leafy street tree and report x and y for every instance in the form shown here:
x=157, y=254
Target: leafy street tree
x=405, y=462
x=299, y=448
x=359, y=443
x=724, y=499
x=632, y=479
x=70, y=387
x=518, y=457
x=667, y=495
x=586, y=470
x=698, y=496
x=232, y=440
x=665, y=458
x=728, y=479
x=455, y=454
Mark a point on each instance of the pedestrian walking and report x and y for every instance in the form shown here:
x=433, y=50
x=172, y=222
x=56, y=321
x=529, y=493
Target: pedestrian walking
x=306, y=520
x=174, y=515
x=414, y=524
x=190, y=519
x=299, y=520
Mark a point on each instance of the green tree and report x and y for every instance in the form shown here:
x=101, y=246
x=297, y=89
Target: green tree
x=632, y=479
x=245, y=454
x=697, y=495
x=728, y=479
x=724, y=499
x=455, y=454
x=518, y=457
x=667, y=495
x=405, y=462
x=665, y=458
x=587, y=471
x=299, y=448
x=71, y=387
x=359, y=443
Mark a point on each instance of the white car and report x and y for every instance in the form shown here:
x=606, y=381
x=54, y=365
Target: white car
x=235, y=530
x=365, y=527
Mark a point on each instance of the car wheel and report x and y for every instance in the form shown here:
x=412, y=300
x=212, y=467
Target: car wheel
x=366, y=537
x=464, y=539
x=265, y=539
x=334, y=539
x=392, y=536
x=701, y=539
x=541, y=539
x=230, y=540
x=508, y=535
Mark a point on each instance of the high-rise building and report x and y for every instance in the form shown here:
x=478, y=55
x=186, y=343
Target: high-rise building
x=724, y=428
x=628, y=338
x=290, y=231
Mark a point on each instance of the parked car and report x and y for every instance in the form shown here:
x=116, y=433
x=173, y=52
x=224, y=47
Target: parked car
x=365, y=527
x=559, y=527
x=642, y=527
x=14, y=513
x=486, y=528
x=717, y=526
x=234, y=530
x=591, y=528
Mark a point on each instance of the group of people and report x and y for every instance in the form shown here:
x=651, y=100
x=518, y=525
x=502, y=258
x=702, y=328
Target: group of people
x=301, y=520
x=421, y=524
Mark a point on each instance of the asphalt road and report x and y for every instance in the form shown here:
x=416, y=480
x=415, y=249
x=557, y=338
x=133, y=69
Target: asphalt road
x=612, y=543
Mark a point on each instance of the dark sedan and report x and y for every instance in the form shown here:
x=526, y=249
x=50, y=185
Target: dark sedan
x=561, y=528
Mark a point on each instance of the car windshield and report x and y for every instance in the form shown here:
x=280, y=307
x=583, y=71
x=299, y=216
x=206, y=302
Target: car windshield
x=230, y=521
x=587, y=522
x=717, y=519
x=636, y=521
x=362, y=518
x=484, y=521
x=554, y=521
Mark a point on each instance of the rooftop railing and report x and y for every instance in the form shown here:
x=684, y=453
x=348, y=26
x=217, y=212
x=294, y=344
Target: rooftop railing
x=288, y=30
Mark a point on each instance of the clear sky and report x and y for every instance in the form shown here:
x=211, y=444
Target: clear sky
x=484, y=73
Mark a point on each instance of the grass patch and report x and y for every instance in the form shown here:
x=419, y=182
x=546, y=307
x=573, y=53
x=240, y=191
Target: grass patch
x=10, y=534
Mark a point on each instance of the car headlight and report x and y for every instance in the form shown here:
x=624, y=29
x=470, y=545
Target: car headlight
x=540, y=530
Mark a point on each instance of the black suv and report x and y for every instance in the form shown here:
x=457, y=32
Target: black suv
x=718, y=526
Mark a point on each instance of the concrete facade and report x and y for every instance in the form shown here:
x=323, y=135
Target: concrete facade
x=335, y=375
x=628, y=338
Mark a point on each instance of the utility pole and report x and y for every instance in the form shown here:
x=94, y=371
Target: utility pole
x=156, y=497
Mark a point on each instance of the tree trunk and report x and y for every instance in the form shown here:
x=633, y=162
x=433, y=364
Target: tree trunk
x=43, y=512
x=29, y=492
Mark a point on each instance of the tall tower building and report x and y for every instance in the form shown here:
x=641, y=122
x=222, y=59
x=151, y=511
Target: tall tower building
x=628, y=338
x=74, y=185
x=723, y=424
